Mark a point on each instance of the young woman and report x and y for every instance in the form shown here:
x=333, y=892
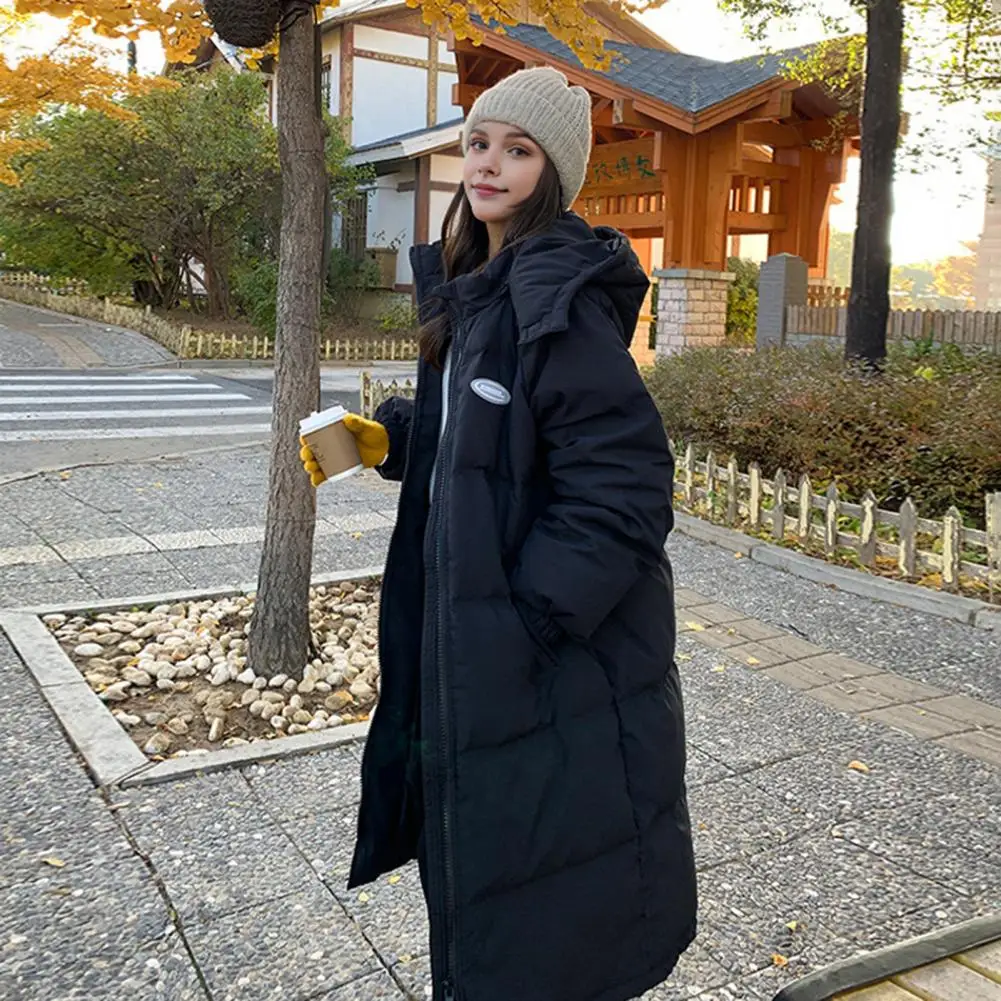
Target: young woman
x=528, y=747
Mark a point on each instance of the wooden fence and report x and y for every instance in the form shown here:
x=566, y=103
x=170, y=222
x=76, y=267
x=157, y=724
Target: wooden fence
x=968, y=329
x=202, y=344
x=793, y=512
x=375, y=391
x=43, y=283
x=827, y=295
x=185, y=342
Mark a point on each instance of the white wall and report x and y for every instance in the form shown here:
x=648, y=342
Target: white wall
x=391, y=219
x=446, y=168
x=389, y=100
x=446, y=110
x=332, y=49
x=397, y=43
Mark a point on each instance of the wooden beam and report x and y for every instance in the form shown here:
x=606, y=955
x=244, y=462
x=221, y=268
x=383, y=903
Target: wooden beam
x=464, y=94
x=624, y=114
x=392, y=57
x=771, y=134
x=347, y=81
x=756, y=168
x=777, y=106
x=432, y=80
x=756, y=222
x=422, y=201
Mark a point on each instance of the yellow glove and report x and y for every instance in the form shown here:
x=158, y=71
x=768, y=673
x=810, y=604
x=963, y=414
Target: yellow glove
x=371, y=438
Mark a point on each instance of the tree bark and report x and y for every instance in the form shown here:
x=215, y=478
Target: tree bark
x=869, y=303
x=279, y=630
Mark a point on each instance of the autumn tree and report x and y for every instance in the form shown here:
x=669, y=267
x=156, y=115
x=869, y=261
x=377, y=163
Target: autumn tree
x=279, y=636
x=953, y=275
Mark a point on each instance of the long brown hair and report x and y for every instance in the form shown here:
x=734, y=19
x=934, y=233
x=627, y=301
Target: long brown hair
x=466, y=247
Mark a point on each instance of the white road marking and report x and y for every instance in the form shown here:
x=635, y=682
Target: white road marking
x=98, y=378
x=95, y=434
x=51, y=388
x=159, y=397
x=106, y=415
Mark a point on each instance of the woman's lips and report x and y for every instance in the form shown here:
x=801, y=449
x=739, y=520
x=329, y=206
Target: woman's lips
x=487, y=190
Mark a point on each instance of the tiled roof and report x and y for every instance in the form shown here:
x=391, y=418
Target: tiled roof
x=455, y=123
x=689, y=83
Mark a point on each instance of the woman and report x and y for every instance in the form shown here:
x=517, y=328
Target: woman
x=528, y=746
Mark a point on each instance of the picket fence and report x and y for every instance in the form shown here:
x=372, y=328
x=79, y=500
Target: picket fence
x=377, y=391
x=968, y=329
x=43, y=283
x=827, y=295
x=184, y=341
x=792, y=511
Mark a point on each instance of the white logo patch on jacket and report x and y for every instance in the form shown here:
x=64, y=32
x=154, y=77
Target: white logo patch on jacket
x=492, y=392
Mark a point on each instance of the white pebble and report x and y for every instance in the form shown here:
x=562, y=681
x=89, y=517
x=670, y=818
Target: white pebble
x=277, y=681
x=89, y=650
x=246, y=677
x=165, y=684
x=219, y=675
x=215, y=730
x=279, y=722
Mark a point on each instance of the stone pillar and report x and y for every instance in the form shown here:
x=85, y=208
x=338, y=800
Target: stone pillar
x=691, y=309
x=782, y=281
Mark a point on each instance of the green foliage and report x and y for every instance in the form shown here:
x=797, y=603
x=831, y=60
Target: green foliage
x=400, y=317
x=839, y=258
x=936, y=439
x=255, y=291
x=742, y=302
x=345, y=285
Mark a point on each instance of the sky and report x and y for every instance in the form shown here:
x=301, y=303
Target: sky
x=936, y=208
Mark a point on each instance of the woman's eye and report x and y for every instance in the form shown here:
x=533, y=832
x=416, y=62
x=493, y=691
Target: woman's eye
x=519, y=151
x=478, y=144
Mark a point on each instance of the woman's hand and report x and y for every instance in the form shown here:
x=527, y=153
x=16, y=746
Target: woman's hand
x=371, y=438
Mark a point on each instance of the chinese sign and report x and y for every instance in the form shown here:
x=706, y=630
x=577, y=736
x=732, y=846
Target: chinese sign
x=625, y=163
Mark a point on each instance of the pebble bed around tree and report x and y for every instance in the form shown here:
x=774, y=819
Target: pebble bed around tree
x=175, y=676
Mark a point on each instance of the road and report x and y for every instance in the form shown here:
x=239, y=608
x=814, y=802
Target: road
x=74, y=392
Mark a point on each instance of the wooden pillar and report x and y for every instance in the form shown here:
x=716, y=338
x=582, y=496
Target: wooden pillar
x=347, y=81
x=422, y=201
x=432, y=101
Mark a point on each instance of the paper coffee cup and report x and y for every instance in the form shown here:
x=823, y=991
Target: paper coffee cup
x=331, y=443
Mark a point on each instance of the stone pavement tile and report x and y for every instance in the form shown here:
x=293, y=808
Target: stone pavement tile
x=834, y=667
x=756, y=655
x=795, y=674
x=209, y=878
x=746, y=919
x=923, y=723
x=391, y=913
x=159, y=969
x=51, y=593
x=121, y=566
x=15, y=532
x=308, y=784
x=703, y=768
x=689, y=621
x=685, y=596
x=288, y=948
x=150, y=519
x=793, y=648
x=127, y=585
x=94, y=911
x=843, y=887
x=754, y=631
x=211, y=565
x=205, y=808
x=876, y=691
x=68, y=532
x=376, y=987
x=983, y=744
x=719, y=614
x=327, y=842
x=344, y=552
x=733, y=819
x=927, y=837
x=695, y=973
x=718, y=638
x=33, y=574
x=965, y=710
x=229, y=515
x=414, y=974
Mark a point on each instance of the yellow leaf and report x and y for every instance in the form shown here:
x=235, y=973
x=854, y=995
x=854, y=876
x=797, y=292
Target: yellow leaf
x=683, y=656
x=859, y=766
x=792, y=925
x=364, y=897
x=738, y=556
x=65, y=474
x=779, y=960
x=394, y=879
x=56, y=863
x=695, y=627
x=356, y=535
x=753, y=661
x=719, y=668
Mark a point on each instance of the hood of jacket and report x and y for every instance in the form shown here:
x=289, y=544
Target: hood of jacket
x=543, y=274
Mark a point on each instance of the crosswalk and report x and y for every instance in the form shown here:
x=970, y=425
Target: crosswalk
x=86, y=406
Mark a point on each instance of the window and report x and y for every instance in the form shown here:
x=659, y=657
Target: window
x=354, y=226
x=325, y=84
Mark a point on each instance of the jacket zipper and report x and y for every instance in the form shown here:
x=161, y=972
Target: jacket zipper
x=443, y=706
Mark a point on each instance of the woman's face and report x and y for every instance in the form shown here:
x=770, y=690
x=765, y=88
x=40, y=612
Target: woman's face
x=501, y=169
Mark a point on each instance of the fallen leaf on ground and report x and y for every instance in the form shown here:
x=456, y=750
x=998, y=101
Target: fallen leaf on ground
x=779, y=960
x=753, y=661
x=356, y=535
x=719, y=668
x=364, y=897
x=56, y=863
x=65, y=475
x=394, y=879
x=859, y=766
x=695, y=627
x=738, y=556
x=792, y=925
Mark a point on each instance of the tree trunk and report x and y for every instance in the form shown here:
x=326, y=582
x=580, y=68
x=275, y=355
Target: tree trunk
x=279, y=631
x=869, y=304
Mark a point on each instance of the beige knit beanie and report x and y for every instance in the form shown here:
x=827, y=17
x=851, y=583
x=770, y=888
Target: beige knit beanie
x=556, y=115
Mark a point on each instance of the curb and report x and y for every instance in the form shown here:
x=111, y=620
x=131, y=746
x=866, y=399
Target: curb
x=968, y=611
x=111, y=756
x=873, y=967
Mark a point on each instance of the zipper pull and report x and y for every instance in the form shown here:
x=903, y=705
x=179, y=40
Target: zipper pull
x=449, y=991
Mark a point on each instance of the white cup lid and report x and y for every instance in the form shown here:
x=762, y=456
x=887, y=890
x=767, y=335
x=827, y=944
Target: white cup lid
x=315, y=420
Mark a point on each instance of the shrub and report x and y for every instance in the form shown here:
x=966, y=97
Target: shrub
x=742, y=302
x=927, y=428
x=255, y=291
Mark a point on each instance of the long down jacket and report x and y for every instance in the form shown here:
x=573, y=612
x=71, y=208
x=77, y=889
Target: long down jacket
x=531, y=717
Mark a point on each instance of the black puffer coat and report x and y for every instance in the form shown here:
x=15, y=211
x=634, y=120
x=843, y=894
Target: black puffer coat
x=531, y=714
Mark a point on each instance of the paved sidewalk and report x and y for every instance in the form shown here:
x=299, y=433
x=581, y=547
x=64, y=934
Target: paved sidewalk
x=821, y=828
